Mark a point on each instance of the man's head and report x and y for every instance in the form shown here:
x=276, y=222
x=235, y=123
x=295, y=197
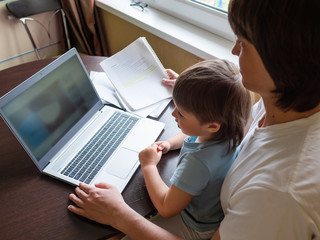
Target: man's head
x=286, y=35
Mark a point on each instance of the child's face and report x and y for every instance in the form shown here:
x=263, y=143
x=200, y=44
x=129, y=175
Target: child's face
x=190, y=125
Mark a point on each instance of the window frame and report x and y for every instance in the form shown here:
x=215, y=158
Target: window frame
x=196, y=14
x=184, y=35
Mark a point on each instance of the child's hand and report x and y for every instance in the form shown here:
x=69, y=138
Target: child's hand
x=164, y=146
x=172, y=78
x=150, y=156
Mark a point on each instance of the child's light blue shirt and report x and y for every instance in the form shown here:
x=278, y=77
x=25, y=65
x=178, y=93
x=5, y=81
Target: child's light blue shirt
x=201, y=170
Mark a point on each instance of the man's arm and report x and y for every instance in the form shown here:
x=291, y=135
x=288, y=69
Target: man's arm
x=104, y=204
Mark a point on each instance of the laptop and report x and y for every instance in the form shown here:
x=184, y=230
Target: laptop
x=68, y=132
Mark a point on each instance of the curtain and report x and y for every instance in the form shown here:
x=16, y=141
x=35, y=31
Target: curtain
x=84, y=27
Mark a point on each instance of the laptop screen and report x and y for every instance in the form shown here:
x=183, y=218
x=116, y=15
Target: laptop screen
x=47, y=110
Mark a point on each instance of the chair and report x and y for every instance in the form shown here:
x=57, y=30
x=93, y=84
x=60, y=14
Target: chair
x=22, y=9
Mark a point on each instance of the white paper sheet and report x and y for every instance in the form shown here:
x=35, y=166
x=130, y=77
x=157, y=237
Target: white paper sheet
x=108, y=94
x=136, y=73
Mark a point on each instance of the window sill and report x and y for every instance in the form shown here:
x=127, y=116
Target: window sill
x=195, y=40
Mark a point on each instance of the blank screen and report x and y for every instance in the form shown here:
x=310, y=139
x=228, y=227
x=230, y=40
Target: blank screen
x=47, y=110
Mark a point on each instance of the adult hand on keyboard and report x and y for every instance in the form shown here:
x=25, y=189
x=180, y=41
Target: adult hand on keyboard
x=98, y=203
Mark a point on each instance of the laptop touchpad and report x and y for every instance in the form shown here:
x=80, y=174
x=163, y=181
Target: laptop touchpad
x=122, y=163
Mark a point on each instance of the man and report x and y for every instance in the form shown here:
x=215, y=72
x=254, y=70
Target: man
x=272, y=190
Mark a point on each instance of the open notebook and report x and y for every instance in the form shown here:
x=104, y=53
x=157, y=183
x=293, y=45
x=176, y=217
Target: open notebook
x=69, y=134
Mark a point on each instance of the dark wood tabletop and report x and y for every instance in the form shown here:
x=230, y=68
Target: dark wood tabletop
x=33, y=205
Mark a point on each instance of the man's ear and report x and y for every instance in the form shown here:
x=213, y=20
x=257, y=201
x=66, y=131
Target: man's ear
x=214, y=127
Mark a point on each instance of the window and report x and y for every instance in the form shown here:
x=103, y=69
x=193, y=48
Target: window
x=218, y=4
x=210, y=15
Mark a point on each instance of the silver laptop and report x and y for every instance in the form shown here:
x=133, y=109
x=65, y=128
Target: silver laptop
x=69, y=134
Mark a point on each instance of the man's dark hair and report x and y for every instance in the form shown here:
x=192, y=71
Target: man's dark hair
x=286, y=34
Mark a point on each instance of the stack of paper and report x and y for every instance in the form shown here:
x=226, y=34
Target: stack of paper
x=135, y=73
x=109, y=95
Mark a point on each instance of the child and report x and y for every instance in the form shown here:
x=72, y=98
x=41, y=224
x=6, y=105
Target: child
x=212, y=109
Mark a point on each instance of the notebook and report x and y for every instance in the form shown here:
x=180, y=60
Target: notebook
x=68, y=132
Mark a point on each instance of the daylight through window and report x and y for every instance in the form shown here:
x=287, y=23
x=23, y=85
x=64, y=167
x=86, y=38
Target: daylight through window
x=219, y=4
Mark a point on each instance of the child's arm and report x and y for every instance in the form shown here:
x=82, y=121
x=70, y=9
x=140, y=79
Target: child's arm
x=172, y=143
x=168, y=201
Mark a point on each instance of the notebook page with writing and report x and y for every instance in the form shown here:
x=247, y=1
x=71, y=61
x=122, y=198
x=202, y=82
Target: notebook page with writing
x=136, y=74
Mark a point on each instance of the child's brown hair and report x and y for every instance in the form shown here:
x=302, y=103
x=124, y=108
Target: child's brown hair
x=212, y=90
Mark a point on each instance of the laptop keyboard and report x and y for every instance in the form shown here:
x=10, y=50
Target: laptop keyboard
x=85, y=165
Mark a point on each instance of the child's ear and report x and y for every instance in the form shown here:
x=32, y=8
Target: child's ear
x=214, y=127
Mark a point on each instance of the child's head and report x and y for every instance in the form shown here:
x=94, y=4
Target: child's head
x=212, y=91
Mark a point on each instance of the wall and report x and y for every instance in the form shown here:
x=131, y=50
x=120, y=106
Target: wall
x=119, y=33
x=16, y=48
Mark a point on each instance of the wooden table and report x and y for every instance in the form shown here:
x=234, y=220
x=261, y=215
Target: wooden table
x=33, y=205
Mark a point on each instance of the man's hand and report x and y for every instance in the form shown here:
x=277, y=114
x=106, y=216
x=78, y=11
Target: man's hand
x=100, y=203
